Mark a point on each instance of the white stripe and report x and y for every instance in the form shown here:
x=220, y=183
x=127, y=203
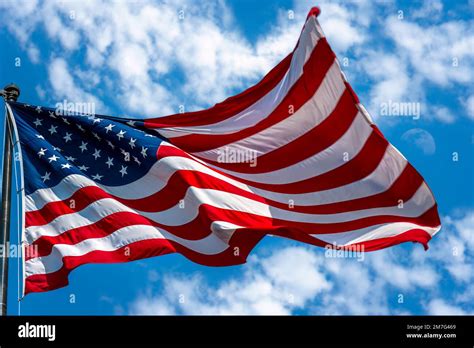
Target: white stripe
x=224, y=230
x=153, y=181
x=380, y=180
x=209, y=245
x=181, y=213
x=264, y=106
x=351, y=143
x=372, y=232
x=311, y=114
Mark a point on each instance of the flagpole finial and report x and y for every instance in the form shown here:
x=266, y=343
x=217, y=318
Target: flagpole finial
x=10, y=92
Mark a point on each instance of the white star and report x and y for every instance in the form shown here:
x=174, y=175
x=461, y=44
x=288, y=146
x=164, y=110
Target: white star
x=109, y=128
x=65, y=120
x=131, y=123
x=149, y=135
x=110, y=144
x=96, y=135
x=65, y=166
x=39, y=136
x=96, y=154
x=83, y=168
x=52, y=115
x=132, y=142
x=38, y=122
x=67, y=137
x=53, y=158
x=46, y=176
x=110, y=162
x=97, y=120
x=70, y=158
x=38, y=109
x=80, y=127
x=56, y=149
x=136, y=160
x=42, y=152
x=123, y=171
x=83, y=146
x=143, y=152
x=97, y=177
x=120, y=134
x=52, y=129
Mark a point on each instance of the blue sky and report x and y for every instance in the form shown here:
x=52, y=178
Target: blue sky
x=146, y=58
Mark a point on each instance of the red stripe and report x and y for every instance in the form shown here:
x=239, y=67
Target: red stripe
x=327, y=133
x=363, y=164
x=414, y=235
x=314, y=72
x=243, y=242
x=138, y=250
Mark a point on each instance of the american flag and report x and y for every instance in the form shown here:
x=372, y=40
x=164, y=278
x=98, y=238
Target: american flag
x=295, y=156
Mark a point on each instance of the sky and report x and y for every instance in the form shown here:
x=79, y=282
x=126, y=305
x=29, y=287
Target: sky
x=152, y=58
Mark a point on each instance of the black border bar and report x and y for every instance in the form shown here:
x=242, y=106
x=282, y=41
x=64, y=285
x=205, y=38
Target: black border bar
x=243, y=330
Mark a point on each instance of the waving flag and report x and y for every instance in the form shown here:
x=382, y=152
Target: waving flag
x=295, y=156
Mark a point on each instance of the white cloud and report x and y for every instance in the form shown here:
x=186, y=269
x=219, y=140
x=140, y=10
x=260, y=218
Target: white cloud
x=391, y=80
x=429, y=10
x=340, y=25
x=440, y=307
x=442, y=114
x=140, y=48
x=402, y=275
x=57, y=29
x=417, y=63
x=277, y=284
x=457, y=256
x=221, y=61
x=469, y=106
x=355, y=290
x=40, y=91
x=130, y=61
x=422, y=46
x=465, y=226
x=65, y=87
x=344, y=23
x=33, y=53
x=280, y=41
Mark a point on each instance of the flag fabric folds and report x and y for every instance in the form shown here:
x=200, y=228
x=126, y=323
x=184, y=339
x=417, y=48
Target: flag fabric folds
x=295, y=156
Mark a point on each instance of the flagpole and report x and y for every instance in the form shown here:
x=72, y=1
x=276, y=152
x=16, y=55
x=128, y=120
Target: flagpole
x=9, y=93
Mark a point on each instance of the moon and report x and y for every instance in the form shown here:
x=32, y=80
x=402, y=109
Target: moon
x=422, y=140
